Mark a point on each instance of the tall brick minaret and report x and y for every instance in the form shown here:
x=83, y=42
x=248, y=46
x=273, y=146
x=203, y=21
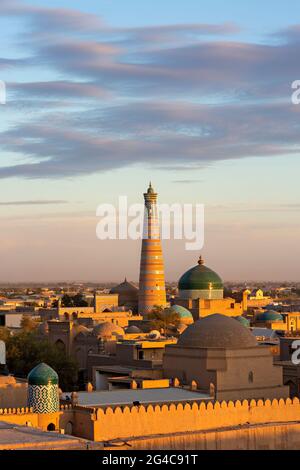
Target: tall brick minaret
x=152, y=291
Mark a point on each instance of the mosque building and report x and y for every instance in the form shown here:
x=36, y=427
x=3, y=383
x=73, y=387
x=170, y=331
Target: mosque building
x=201, y=291
x=127, y=295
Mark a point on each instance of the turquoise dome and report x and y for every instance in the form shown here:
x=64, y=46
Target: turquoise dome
x=243, y=321
x=200, y=277
x=181, y=311
x=269, y=315
x=42, y=374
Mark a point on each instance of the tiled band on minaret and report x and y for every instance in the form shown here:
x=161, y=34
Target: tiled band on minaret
x=152, y=290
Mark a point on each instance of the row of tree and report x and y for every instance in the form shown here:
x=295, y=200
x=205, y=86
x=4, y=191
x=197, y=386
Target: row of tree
x=25, y=350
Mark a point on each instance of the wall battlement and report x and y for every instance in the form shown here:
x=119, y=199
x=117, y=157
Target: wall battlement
x=149, y=420
x=26, y=410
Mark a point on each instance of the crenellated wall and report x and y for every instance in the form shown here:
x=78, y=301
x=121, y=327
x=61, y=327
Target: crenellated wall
x=227, y=425
x=143, y=421
x=26, y=417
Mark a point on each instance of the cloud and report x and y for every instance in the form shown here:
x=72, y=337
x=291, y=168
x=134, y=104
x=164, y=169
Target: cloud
x=176, y=97
x=161, y=134
x=32, y=203
x=59, y=89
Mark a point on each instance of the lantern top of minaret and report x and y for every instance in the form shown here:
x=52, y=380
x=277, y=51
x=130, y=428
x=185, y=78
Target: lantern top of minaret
x=150, y=195
x=150, y=189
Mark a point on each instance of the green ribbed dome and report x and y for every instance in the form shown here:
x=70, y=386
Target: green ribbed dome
x=200, y=277
x=42, y=374
x=269, y=315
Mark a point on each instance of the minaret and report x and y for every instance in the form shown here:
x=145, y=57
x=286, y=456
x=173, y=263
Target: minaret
x=152, y=291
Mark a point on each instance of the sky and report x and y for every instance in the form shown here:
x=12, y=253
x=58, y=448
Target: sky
x=104, y=96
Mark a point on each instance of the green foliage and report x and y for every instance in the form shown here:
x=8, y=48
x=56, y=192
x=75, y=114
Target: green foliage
x=75, y=301
x=25, y=350
x=162, y=318
x=4, y=334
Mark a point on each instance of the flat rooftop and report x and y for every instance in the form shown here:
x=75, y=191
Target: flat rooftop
x=144, y=396
x=14, y=437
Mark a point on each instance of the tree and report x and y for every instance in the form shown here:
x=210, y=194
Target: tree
x=75, y=301
x=4, y=334
x=28, y=323
x=162, y=318
x=25, y=350
x=79, y=301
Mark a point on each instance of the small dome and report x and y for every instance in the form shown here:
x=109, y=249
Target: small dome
x=107, y=329
x=243, y=321
x=42, y=374
x=133, y=329
x=200, y=277
x=269, y=315
x=184, y=314
x=124, y=287
x=217, y=331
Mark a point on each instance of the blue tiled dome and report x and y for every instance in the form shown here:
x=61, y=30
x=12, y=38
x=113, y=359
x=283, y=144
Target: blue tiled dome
x=181, y=311
x=269, y=315
x=42, y=374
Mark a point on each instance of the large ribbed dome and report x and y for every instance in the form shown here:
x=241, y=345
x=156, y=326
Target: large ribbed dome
x=200, y=282
x=200, y=277
x=217, y=331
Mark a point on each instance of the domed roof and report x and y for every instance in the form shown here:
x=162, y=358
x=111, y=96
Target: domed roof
x=124, y=287
x=42, y=374
x=200, y=277
x=107, y=329
x=181, y=311
x=133, y=329
x=217, y=331
x=269, y=315
x=243, y=321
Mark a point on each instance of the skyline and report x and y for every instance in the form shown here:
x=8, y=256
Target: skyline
x=103, y=97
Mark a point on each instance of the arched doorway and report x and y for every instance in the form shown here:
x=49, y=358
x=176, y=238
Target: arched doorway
x=293, y=389
x=60, y=345
x=51, y=427
x=69, y=428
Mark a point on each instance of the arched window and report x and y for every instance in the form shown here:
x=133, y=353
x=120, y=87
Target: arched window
x=250, y=378
x=60, y=345
x=74, y=315
x=66, y=315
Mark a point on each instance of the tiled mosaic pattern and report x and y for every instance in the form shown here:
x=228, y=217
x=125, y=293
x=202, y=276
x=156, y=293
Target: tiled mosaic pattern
x=43, y=398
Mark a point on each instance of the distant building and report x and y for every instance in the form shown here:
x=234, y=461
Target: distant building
x=127, y=295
